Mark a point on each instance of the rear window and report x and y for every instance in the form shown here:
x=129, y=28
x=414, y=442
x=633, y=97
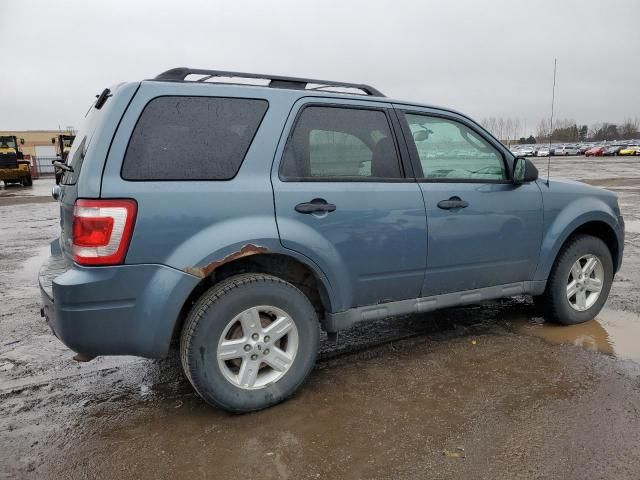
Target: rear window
x=192, y=138
x=80, y=146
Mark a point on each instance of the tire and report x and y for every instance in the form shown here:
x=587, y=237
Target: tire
x=209, y=323
x=29, y=181
x=554, y=303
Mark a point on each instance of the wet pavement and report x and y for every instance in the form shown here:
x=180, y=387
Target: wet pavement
x=40, y=192
x=485, y=391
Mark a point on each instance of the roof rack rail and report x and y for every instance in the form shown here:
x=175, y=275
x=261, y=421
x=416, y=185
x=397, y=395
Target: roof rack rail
x=275, y=81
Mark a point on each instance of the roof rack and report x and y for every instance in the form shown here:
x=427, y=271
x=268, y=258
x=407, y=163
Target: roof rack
x=275, y=81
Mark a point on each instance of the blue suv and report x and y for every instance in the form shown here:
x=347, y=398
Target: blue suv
x=238, y=214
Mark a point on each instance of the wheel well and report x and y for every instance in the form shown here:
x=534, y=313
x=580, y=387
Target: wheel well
x=282, y=266
x=602, y=231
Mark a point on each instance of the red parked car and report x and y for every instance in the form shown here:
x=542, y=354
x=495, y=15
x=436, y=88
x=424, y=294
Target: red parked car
x=595, y=152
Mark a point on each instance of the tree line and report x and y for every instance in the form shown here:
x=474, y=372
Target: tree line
x=564, y=130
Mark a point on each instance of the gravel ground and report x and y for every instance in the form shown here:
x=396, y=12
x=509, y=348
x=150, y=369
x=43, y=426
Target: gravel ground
x=486, y=391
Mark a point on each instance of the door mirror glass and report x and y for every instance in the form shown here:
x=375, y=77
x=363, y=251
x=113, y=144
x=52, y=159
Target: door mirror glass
x=421, y=135
x=524, y=170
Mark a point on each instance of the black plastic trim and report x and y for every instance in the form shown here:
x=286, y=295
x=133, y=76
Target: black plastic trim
x=102, y=98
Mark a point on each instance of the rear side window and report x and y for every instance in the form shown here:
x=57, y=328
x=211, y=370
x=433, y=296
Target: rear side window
x=337, y=143
x=192, y=138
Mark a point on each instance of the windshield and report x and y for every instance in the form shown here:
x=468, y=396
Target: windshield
x=8, y=142
x=67, y=141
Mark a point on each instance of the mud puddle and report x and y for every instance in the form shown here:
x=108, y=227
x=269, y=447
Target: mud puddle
x=612, y=332
x=395, y=415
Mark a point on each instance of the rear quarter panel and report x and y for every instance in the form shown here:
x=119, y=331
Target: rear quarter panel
x=192, y=225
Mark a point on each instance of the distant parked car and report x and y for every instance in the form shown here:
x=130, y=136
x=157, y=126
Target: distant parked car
x=595, y=152
x=632, y=150
x=543, y=152
x=614, y=149
x=566, y=150
x=527, y=152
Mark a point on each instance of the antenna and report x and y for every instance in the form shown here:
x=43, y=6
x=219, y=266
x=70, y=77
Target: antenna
x=553, y=99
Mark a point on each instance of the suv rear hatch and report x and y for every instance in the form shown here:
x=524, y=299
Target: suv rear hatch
x=88, y=153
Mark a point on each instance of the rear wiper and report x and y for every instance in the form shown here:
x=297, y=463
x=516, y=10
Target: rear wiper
x=63, y=166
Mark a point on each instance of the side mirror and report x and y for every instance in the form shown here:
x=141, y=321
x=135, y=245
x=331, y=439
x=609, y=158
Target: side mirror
x=53, y=139
x=524, y=171
x=421, y=135
x=22, y=141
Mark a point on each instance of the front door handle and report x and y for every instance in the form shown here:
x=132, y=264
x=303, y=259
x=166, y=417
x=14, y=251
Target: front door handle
x=317, y=205
x=453, y=202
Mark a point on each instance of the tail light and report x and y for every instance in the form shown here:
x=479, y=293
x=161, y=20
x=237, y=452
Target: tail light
x=102, y=230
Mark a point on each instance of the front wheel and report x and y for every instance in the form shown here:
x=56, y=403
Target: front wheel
x=579, y=283
x=249, y=342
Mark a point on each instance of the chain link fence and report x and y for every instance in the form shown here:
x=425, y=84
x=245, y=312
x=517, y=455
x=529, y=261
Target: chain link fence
x=43, y=166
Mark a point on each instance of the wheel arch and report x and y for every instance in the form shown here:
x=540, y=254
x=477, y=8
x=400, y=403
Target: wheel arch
x=604, y=232
x=306, y=277
x=599, y=224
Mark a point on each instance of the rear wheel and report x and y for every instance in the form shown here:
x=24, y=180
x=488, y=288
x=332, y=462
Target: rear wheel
x=579, y=283
x=249, y=342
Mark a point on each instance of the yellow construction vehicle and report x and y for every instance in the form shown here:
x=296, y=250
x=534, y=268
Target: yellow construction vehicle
x=13, y=167
x=64, y=146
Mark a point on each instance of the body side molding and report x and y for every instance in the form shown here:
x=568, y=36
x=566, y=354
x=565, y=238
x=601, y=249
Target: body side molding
x=343, y=320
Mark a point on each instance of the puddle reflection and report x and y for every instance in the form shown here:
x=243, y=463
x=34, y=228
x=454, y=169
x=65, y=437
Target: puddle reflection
x=612, y=332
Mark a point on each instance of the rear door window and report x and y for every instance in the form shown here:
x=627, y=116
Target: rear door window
x=340, y=143
x=192, y=138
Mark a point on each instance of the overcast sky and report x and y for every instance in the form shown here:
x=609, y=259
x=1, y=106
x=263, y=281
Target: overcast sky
x=485, y=58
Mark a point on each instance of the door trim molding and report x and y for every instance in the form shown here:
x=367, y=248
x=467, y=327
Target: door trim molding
x=334, y=322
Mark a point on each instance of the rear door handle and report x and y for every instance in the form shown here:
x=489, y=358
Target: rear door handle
x=453, y=202
x=317, y=205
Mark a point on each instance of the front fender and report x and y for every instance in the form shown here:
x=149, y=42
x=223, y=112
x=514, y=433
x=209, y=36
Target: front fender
x=566, y=221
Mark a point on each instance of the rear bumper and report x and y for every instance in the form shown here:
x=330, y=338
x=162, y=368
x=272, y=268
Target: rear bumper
x=120, y=310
